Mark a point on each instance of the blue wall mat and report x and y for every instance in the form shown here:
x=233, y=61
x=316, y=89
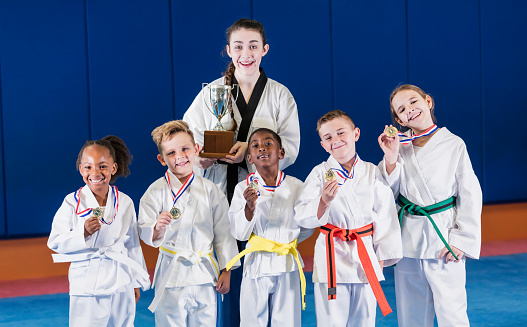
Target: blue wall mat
x=198, y=38
x=44, y=107
x=3, y=221
x=504, y=70
x=444, y=56
x=369, y=51
x=130, y=80
x=299, y=57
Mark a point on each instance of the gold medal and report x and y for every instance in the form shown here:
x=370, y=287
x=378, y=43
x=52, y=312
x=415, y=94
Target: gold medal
x=98, y=212
x=175, y=212
x=330, y=175
x=254, y=185
x=391, y=131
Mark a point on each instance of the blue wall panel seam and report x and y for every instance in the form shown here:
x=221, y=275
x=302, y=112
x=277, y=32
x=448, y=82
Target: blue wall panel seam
x=482, y=88
x=407, y=44
x=3, y=155
x=331, y=64
x=88, y=80
x=172, y=59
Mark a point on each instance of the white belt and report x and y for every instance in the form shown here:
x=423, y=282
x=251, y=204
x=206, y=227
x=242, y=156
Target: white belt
x=114, y=252
x=193, y=257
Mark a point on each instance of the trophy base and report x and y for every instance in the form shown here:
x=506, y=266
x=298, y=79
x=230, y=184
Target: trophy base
x=217, y=144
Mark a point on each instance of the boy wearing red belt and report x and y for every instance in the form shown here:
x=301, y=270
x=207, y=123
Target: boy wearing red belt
x=354, y=208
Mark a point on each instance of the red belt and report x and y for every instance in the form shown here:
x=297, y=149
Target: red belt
x=352, y=235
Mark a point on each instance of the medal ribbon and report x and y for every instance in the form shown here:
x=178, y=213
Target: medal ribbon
x=342, y=173
x=408, y=139
x=182, y=189
x=269, y=188
x=88, y=211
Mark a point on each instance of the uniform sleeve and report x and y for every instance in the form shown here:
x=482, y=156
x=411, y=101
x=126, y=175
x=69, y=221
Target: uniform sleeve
x=386, y=230
x=394, y=179
x=466, y=234
x=135, y=252
x=306, y=206
x=196, y=117
x=225, y=245
x=67, y=231
x=241, y=228
x=149, y=209
x=288, y=128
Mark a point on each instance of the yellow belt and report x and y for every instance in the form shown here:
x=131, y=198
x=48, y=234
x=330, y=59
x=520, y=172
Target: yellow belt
x=262, y=244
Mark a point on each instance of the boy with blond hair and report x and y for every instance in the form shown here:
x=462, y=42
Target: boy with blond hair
x=185, y=216
x=354, y=208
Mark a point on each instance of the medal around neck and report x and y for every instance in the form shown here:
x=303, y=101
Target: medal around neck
x=98, y=212
x=254, y=185
x=218, y=142
x=175, y=212
x=391, y=131
x=330, y=175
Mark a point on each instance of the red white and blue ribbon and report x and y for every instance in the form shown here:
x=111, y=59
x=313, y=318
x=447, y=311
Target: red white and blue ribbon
x=88, y=211
x=343, y=173
x=270, y=188
x=182, y=189
x=405, y=139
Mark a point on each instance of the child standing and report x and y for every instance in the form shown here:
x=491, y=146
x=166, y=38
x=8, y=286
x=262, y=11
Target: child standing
x=429, y=171
x=347, y=198
x=185, y=216
x=96, y=230
x=262, y=211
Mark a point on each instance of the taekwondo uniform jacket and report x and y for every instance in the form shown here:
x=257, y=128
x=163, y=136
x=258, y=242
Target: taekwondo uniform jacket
x=202, y=227
x=360, y=201
x=108, y=259
x=272, y=220
x=276, y=110
x=431, y=174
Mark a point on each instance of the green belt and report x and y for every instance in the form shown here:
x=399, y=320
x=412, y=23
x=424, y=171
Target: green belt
x=416, y=210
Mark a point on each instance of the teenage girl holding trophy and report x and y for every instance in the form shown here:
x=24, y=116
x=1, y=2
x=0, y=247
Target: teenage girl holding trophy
x=257, y=101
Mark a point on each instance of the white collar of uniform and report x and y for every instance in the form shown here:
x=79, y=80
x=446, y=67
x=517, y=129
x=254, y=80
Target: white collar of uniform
x=91, y=202
x=333, y=163
x=261, y=180
x=174, y=182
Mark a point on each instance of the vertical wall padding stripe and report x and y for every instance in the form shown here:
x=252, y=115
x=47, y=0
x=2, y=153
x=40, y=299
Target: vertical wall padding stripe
x=172, y=59
x=88, y=84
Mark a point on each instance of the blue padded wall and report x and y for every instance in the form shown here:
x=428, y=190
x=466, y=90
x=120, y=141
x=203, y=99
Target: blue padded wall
x=299, y=57
x=130, y=80
x=44, y=107
x=82, y=69
x=504, y=71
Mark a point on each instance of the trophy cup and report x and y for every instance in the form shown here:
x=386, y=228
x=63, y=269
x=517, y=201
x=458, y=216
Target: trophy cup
x=218, y=141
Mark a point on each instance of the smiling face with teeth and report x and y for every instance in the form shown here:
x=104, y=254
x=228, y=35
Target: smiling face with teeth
x=178, y=153
x=265, y=151
x=246, y=49
x=413, y=110
x=338, y=137
x=97, y=168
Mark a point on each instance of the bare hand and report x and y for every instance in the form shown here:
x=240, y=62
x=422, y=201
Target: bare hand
x=224, y=282
x=449, y=257
x=204, y=163
x=390, y=147
x=250, y=196
x=163, y=220
x=91, y=225
x=137, y=294
x=329, y=191
x=237, y=152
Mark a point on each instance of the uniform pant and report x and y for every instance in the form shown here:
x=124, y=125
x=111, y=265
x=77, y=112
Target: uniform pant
x=117, y=309
x=354, y=306
x=428, y=287
x=274, y=298
x=187, y=306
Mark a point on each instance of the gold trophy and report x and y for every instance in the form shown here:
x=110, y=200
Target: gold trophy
x=218, y=142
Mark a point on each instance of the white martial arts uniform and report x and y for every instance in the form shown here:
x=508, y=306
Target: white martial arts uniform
x=271, y=282
x=425, y=176
x=202, y=228
x=276, y=110
x=360, y=201
x=105, y=266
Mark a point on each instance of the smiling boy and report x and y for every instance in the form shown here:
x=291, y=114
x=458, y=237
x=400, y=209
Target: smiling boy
x=348, y=199
x=262, y=212
x=185, y=216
